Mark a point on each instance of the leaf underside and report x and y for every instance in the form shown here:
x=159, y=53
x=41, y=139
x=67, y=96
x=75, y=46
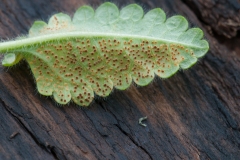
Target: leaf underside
x=77, y=67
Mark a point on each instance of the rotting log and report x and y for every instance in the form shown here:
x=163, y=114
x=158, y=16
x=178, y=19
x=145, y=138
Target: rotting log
x=193, y=115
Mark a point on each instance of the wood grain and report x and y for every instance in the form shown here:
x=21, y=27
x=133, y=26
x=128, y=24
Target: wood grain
x=193, y=115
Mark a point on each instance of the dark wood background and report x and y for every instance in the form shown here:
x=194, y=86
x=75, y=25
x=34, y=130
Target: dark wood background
x=193, y=115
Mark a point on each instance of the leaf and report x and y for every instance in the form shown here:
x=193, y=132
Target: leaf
x=95, y=51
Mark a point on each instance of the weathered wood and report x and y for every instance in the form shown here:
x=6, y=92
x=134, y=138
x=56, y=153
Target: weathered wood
x=222, y=16
x=193, y=115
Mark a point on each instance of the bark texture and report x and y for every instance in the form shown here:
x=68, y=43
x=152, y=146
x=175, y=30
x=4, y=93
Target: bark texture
x=193, y=115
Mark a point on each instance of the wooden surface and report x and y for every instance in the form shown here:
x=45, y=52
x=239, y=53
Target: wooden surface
x=193, y=115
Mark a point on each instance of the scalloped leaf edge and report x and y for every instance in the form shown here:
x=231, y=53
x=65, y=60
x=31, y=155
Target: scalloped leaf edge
x=140, y=45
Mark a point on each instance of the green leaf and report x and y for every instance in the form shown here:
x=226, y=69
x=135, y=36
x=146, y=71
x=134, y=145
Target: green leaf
x=95, y=51
x=107, y=13
x=83, y=14
x=132, y=12
x=11, y=59
x=37, y=27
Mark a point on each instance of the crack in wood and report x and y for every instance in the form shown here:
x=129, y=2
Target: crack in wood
x=25, y=128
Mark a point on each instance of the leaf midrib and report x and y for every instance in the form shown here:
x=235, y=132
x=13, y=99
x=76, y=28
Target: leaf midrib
x=39, y=40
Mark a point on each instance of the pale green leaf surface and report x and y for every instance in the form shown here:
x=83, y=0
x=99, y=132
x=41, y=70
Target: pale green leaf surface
x=95, y=51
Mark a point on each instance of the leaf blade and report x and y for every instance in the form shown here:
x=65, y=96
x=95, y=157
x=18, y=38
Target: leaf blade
x=95, y=51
